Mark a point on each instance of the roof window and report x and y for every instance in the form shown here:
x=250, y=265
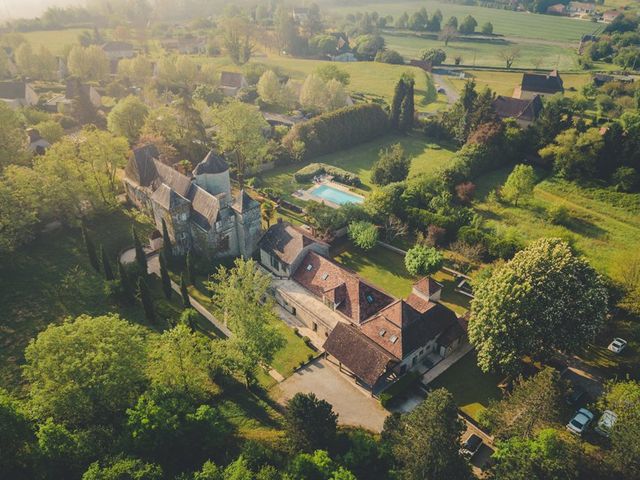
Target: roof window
x=394, y=339
x=325, y=276
x=369, y=298
x=309, y=267
x=382, y=332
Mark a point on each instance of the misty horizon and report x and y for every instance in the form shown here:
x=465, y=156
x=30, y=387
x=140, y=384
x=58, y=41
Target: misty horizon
x=14, y=9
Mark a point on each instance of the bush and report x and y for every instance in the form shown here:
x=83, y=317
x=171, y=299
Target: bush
x=435, y=129
x=337, y=130
x=392, y=166
x=422, y=260
x=558, y=215
x=363, y=234
x=307, y=173
x=389, y=56
x=626, y=179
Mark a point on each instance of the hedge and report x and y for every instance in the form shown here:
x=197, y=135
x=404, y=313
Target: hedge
x=307, y=173
x=337, y=130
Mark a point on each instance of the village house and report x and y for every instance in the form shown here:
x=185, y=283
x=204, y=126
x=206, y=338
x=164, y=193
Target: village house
x=557, y=9
x=524, y=111
x=610, y=15
x=118, y=50
x=539, y=84
x=74, y=89
x=231, y=83
x=37, y=144
x=371, y=335
x=200, y=210
x=581, y=8
x=18, y=94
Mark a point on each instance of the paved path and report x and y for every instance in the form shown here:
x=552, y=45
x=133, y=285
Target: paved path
x=449, y=90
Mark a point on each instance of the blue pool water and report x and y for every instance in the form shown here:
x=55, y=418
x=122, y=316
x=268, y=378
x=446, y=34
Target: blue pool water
x=335, y=195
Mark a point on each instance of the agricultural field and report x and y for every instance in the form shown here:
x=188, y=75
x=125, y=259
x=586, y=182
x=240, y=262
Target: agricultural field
x=54, y=40
x=426, y=158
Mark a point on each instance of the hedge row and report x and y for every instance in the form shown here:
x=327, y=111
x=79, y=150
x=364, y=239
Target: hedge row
x=337, y=130
x=307, y=173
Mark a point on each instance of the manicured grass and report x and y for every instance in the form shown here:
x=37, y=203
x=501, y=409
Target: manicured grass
x=426, y=158
x=471, y=388
x=385, y=269
x=505, y=22
x=51, y=279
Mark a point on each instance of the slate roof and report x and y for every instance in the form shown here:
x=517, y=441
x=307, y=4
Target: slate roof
x=206, y=207
x=231, y=79
x=212, y=163
x=168, y=198
x=13, y=90
x=244, y=202
x=285, y=241
x=141, y=168
x=353, y=297
x=116, y=46
x=401, y=329
x=536, y=82
x=521, y=109
x=358, y=353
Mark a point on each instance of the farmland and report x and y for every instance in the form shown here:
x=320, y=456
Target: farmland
x=54, y=40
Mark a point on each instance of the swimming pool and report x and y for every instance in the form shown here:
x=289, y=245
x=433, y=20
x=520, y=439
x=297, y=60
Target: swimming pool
x=335, y=195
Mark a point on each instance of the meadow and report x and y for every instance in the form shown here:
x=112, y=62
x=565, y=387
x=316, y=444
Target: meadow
x=54, y=40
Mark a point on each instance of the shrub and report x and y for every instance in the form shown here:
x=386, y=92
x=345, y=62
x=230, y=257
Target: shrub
x=392, y=166
x=558, y=215
x=389, y=56
x=307, y=173
x=422, y=260
x=465, y=191
x=626, y=179
x=337, y=130
x=435, y=129
x=363, y=234
x=435, y=235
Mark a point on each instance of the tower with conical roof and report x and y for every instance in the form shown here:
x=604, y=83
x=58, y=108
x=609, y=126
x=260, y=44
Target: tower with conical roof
x=212, y=174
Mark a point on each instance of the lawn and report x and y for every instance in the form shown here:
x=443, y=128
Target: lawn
x=54, y=40
x=51, y=279
x=471, y=388
x=425, y=159
x=385, y=269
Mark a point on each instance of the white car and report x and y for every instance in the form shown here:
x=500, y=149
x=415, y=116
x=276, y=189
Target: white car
x=580, y=421
x=606, y=423
x=618, y=345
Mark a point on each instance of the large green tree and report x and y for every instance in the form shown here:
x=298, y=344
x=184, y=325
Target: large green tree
x=12, y=138
x=127, y=118
x=310, y=423
x=392, y=166
x=545, y=299
x=87, y=370
x=16, y=438
x=423, y=260
x=425, y=443
x=520, y=183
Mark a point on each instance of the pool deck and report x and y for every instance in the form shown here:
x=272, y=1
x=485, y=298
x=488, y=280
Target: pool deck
x=309, y=195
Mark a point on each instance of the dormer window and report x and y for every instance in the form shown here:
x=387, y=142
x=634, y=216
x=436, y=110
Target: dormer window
x=309, y=267
x=394, y=339
x=369, y=298
x=382, y=332
x=325, y=276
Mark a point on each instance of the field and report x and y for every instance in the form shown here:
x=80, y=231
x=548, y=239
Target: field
x=505, y=22
x=426, y=158
x=54, y=40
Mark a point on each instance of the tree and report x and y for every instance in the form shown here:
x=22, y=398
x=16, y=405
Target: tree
x=519, y=184
x=392, y=166
x=106, y=265
x=313, y=94
x=239, y=131
x=88, y=63
x=269, y=88
x=141, y=256
x=239, y=296
x=396, y=104
x=532, y=405
x=545, y=299
x=167, y=246
x=425, y=443
x=237, y=39
x=16, y=437
x=623, y=398
x=127, y=118
x=126, y=287
x=310, y=423
x=112, y=356
x=90, y=248
x=407, y=110
x=447, y=34
x=164, y=276
x=575, y=154
x=331, y=72
x=180, y=361
x=434, y=55
x=422, y=260
x=184, y=292
x=146, y=300
x=487, y=28
x=431, y=94
x=12, y=138
x=468, y=25
x=363, y=234
x=50, y=130
x=336, y=95
x=268, y=212
x=323, y=44
x=121, y=468
x=547, y=456
x=509, y=55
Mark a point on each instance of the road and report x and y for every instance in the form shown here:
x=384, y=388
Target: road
x=443, y=82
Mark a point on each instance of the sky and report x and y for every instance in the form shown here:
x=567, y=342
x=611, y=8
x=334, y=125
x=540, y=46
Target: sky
x=11, y=9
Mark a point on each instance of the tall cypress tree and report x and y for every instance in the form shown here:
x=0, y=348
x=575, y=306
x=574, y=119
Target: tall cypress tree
x=407, y=109
x=191, y=277
x=396, y=104
x=146, y=300
x=91, y=249
x=141, y=257
x=125, y=285
x=167, y=247
x=186, y=302
x=106, y=266
x=164, y=275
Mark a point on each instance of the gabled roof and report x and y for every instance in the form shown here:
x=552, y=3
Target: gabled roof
x=231, y=79
x=353, y=297
x=168, y=198
x=286, y=241
x=173, y=178
x=536, y=82
x=427, y=286
x=212, y=163
x=116, y=46
x=358, y=353
x=141, y=168
x=244, y=202
x=205, y=207
x=13, y=90
x=522, y=109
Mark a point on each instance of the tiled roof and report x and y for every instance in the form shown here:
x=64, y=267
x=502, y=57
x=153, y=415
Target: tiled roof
x=536, y=82
x=13, y=90
x=352, y=296
x=286, y=241
x=212, y=163
x=244, y=202
x=358, y=353
x=231, y=79
x=507, y=107
x=427, y=286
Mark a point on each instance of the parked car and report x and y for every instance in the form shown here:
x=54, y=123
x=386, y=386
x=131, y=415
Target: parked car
x=618, y=345
x=442, y=91
x=471, y=446
x=606, y=423
x=577, y=394
x=580, y=421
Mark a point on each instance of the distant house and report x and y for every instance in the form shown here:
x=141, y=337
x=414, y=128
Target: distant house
x=343, y=42
x=581, y=8
x=539, y=84
x=524, y=111
x=231, y=83
x=118, y=50
x=610, y=15
x=74, y=89
x=557, y=9
x=599, y=79
x=276, y=119
x=345, y=57
x=300, y=14
x=18, y=94
x=37, y=144
x=186, y=46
